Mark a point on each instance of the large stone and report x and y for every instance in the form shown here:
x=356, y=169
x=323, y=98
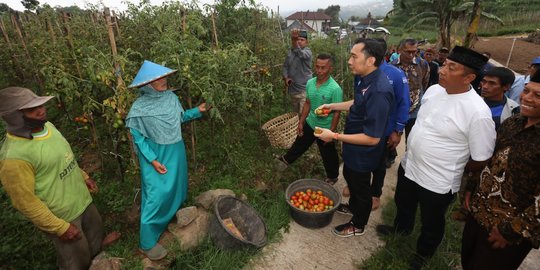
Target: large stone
x=186, y=215
x=190, y=236
x=207, y=199
x=103, y=262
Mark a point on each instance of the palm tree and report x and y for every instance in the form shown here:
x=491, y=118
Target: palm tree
x=443, y=12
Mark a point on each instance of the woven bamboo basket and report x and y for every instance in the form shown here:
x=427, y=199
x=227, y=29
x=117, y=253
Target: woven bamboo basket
x=282, y=130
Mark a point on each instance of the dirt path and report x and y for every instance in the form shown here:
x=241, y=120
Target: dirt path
x=303, y=248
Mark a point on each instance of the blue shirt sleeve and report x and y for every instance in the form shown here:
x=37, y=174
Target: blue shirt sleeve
x=191, y=114
x=515, y=90
x=402, y=101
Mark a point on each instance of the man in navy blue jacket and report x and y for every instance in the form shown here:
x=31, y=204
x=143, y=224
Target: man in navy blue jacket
x=395, y=126
x=363, y=143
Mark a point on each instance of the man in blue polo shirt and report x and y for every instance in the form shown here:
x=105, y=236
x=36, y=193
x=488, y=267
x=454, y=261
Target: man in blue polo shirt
x=363, y=143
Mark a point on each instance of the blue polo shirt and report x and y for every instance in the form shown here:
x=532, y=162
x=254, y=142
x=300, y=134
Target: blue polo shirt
x=373, y=101
x=399, y=114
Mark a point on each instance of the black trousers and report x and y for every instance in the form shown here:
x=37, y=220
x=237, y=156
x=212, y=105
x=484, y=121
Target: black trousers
x=360, y=200
x=477, y=253
x=328, y=151
x=379, y=173
x=433, y=207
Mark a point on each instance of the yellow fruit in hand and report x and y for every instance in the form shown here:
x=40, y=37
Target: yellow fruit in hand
x=317, y=131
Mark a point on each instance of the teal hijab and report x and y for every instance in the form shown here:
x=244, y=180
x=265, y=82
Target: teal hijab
x=156, y=115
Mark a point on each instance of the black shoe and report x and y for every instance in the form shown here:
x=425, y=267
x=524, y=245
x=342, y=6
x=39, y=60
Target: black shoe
x=417, y=262
x=343, y=208
x=389, y=162
x=385, y=230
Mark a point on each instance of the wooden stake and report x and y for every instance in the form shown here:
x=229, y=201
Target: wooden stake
x=116, y=27
x=16, y=65
x=69, y=36
x=51, y=31
x=16, y=24
x=214, y=29
x=120, y=86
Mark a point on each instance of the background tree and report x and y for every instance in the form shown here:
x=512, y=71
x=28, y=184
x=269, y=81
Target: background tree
x=5, y=8
x=442, y=12
x=30, y=4
x=332, y=11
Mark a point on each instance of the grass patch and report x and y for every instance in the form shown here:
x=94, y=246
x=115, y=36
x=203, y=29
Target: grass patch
x=399, y=249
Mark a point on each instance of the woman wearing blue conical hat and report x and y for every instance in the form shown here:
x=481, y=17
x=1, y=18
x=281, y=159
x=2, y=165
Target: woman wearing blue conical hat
x=154, y=121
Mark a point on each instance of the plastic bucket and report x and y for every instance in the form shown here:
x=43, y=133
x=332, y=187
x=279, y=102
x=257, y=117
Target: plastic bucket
x=248, y=222
x=312, y=219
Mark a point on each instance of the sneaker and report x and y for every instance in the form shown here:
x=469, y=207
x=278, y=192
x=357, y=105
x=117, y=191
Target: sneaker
x=331, y=181
x=347, y=230
x=385, y=230
x=343, y=208
x=156, y=253
x=280, y=164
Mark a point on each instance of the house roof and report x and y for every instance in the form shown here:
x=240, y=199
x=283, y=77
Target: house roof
x=313, y=16
x=369, y=21
x=300, y=25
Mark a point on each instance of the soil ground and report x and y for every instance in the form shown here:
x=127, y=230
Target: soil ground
x=500, y=47
x=295, y=250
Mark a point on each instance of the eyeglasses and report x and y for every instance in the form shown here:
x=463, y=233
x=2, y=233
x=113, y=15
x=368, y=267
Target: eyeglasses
x=411, y=52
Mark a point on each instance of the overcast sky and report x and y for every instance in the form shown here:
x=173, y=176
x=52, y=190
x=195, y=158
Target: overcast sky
x=284, y=5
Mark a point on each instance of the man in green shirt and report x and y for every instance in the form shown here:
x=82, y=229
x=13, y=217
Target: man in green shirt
x=40, y=174
x=320, y=90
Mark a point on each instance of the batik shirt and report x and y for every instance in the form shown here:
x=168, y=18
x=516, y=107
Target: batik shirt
x=508, y=195
x=418, y=75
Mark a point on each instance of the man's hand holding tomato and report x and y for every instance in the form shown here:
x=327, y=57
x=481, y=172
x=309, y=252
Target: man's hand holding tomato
x=325, y=134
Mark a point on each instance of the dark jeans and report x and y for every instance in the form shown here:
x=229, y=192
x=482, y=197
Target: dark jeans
x=328, y=151
x=433, y=208
x=360, y=200
x=477, y=253
x=379, y=173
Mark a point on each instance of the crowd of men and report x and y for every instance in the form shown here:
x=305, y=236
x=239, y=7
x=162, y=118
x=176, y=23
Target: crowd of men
x=465, y=134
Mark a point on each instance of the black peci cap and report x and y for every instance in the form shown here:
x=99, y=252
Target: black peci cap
x=468, y=57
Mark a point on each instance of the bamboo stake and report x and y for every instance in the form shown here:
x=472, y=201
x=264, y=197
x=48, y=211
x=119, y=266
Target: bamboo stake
x=16, y=66
x=189, y=100
x=116, y=27
x=51, y=31
x=214, y=29
x=15, y=22
x=120, y=86
x=69, y=36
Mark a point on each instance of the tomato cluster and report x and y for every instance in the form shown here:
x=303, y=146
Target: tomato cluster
x=311, y=201
x=322, y=112
x=81, y=119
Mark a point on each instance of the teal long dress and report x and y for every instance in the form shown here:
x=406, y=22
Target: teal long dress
x=162, y=194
